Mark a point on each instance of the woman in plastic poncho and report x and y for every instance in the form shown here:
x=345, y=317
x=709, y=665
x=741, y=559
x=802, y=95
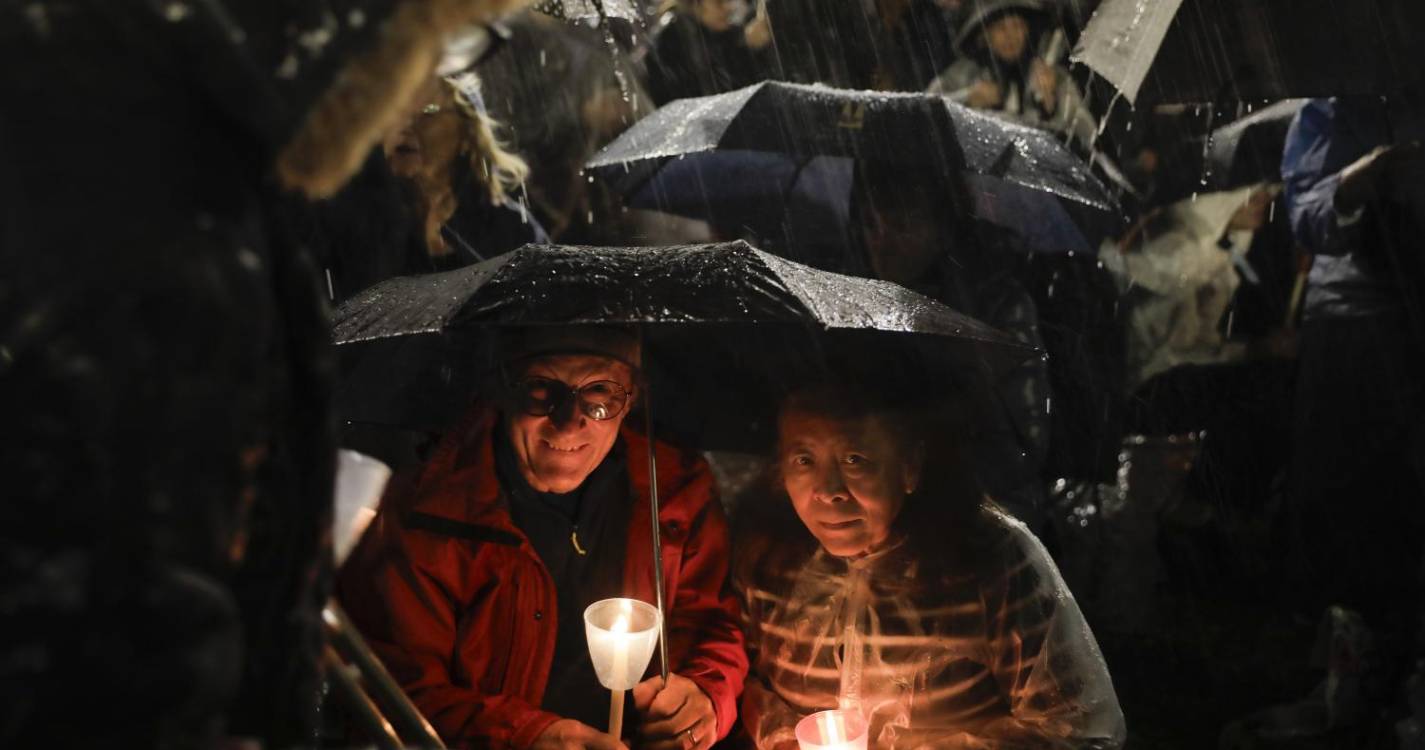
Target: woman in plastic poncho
x=912, y=598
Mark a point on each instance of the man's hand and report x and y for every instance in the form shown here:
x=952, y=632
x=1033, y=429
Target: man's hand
x=677, y=717
x=1045, y=81
x=568, y=734
x=985, y=95
x=758, y=33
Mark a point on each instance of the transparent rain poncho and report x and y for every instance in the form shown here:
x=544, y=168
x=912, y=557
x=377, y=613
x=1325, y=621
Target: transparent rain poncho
x=998, y=658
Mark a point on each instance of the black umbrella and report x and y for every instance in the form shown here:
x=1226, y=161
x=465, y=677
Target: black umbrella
x=1249, y=150
x=1211, y=50
x=726, y=324
x=745, y=157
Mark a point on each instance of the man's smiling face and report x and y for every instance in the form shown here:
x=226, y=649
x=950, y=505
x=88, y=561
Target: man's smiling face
x=558, y=452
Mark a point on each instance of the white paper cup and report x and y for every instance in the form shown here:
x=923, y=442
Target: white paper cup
x=360, y=480
x=622, y=634
x=837, y=729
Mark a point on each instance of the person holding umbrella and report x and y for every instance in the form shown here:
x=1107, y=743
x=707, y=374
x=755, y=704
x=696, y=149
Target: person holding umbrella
x=1004, y=69
x=472, y=583
x=900, y=593
x=908, y=238
x=1354, y=169
x=467, y=181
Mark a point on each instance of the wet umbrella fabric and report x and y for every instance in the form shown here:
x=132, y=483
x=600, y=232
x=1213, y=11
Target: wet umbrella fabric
x=589, y=11
x=774, y=146
x=1210, y=50
x=729, y=328
x=1249, y=150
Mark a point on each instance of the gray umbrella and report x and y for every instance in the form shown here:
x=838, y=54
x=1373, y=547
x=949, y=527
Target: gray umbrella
x=1211, y=50
x=1249, y=150
x=726, y=325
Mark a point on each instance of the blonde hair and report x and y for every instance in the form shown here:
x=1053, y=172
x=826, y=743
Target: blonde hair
x=499, y=170
x=369, y=95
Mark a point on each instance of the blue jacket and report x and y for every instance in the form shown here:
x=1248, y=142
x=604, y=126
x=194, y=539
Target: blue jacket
x=1348, y=278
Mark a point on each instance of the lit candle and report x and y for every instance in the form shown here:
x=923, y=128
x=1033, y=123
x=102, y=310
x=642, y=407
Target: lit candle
x=832, y=730
x=622, y=634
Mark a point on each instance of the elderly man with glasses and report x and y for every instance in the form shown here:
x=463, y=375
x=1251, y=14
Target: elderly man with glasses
x=472, y=583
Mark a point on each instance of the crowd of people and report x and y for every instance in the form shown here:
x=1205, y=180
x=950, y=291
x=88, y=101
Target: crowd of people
x=1240, y=352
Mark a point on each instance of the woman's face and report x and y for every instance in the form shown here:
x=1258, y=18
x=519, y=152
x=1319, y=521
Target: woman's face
x=718, y=15
x=429, y=140
x=1007, y=37
x=902, y=239
x=847, y=477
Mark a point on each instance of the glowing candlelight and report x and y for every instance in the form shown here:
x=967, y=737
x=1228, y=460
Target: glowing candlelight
x=622, y=634
x=832, y=730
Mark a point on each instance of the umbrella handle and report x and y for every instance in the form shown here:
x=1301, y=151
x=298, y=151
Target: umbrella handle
x=656, y=530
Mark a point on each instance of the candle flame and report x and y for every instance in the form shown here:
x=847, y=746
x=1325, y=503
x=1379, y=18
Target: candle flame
x=620, y=625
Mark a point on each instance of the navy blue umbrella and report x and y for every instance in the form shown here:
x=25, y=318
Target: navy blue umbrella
x=778, y=159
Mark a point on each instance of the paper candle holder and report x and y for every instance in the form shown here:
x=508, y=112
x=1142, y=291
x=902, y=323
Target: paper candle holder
x=622, y=634
x=832, y=730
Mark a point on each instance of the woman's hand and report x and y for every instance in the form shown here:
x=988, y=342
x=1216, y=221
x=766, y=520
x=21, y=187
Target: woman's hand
x=985, y=95
x=758, y=33
x=568, y=734
x=1045, y=81
x=677, y=717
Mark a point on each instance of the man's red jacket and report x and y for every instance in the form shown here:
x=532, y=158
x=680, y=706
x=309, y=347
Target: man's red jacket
x=451, y=595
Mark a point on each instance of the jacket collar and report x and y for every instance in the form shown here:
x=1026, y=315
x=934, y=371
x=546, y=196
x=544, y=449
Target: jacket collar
x=460, y=482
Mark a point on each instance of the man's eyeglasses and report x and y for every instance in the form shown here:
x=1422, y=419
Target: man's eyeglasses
x=541, y=397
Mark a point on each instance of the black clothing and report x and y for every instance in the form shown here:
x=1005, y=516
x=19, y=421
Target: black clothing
x=1358, y=465
x=595, y=516
x=165, y=378
x=368, y=232
x=816, y=41
x=481, y=230
x=917, y=45
x=689, y=60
